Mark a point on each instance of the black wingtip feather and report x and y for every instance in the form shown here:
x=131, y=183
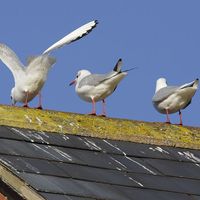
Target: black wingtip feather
x=96, y=22
x=117, y=67
x=92, y=27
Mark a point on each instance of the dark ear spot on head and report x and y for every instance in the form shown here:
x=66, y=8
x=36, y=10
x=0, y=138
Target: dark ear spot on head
x=78, y=74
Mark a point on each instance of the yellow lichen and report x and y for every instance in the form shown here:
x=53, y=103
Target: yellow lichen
x=118, y=129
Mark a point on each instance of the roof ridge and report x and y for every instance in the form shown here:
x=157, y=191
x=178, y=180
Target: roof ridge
x=94, y=126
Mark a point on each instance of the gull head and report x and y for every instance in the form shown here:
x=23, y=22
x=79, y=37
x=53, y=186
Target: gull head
x=80, y=75
x=160, y=83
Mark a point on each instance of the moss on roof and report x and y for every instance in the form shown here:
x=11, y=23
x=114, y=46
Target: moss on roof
x=109, y=128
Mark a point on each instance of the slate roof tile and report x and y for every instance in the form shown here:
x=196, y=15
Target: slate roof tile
x=50, y=196
x=176, y=168
x=62, y=167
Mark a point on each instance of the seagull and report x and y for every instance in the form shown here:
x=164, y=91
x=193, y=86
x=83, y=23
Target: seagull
x=172, y=99
x=97, y=87
x=29, y=80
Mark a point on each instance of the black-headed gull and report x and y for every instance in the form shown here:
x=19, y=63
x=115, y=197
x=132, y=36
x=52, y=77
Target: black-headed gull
x=172, y=99
x=96, y=87
x=30, y=80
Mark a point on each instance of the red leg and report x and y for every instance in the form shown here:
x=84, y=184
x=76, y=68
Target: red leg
x=26, y=101
x=168, y=120
x=13, y=104
x=93, y=107
x=40, y=101
x=104, y=108
x=180, y=115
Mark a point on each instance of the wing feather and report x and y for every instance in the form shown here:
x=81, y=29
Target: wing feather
x=92, y=80
x=163, y=93
x=96, y=79
x=73, y=36
x=10, y=59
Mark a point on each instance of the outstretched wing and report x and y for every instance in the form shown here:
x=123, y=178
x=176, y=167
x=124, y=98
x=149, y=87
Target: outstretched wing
x=10, y=59
x=39, y=65
x=73, y=36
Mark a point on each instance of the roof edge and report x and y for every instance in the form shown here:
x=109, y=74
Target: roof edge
x=101, y=127
x=18, y=185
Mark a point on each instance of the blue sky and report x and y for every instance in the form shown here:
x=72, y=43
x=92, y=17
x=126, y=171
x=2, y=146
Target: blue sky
x=161, y=38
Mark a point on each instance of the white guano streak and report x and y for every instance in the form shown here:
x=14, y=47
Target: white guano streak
x=190, y=156
x=28, y=118
x=130, y=159
x=140, y=184
x=38, y=147
x=22, y=134
x=39, y=121
x=159, y=149
x=90, y=144
x=117, y=161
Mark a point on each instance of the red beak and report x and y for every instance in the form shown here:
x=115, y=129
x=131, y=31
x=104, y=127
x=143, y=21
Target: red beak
x=72, y=83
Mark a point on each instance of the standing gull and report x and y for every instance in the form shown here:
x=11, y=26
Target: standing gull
x=30, y=80
x=96, y=87
x=172, y=99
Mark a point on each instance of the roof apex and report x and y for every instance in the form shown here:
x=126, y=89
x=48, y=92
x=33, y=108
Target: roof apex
x=108, y=128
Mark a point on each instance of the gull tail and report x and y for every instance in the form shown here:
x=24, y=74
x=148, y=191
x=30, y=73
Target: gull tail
x=193, y=84
x=196, y=83
x=118, y=67
x=73, y=36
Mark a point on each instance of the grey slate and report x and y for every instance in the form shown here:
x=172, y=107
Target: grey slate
x=63, y=197
x=73, y=167
x=176, y=168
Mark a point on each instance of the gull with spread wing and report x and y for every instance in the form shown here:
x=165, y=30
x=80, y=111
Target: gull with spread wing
x=29, y=80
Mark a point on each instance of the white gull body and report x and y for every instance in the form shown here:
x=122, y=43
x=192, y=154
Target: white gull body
x=97, y=87
x=172, y=99
x=29, y=80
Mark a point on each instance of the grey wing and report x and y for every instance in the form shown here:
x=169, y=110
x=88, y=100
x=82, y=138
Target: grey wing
x=10, y=59
x=164, y=93
x=94, y=79
x=73, y=36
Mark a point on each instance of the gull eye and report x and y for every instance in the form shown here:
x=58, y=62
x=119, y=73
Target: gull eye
x=11, y=97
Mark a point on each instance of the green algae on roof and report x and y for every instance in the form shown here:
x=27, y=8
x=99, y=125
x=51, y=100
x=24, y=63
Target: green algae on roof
x=108, y=128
